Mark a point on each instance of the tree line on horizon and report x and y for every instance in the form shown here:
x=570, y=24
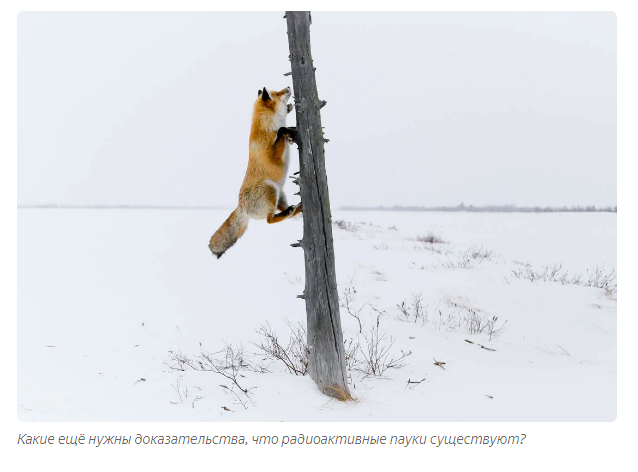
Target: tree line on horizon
x=488, y=208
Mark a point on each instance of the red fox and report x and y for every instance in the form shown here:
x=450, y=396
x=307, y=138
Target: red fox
x=261, y=193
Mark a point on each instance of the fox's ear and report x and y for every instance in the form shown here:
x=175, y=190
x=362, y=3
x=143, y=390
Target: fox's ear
x=258, y=93
x=264, y=95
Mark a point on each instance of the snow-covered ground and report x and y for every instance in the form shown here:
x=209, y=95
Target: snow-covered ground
x=105, y=296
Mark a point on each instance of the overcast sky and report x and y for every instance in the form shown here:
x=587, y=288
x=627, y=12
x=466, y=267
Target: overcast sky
x=423, y=108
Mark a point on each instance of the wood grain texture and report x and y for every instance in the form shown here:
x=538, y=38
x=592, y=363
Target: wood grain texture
x=327, y=365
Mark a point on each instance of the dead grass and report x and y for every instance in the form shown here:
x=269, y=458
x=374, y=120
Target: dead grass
x=338, y=393
x=598, y=277
x=477, y=323
x=430, y=238
x=471, y=258
x=346, y=225
x=414, y=311
x=451, y=317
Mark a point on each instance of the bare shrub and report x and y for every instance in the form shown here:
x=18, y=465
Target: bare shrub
x=597, y=277
x=383, y=246
x=477, y=323
x=451, y=318
x=227, y=362
x=430, y=238
x=295, y=355
x=526, y=272
x=368, y=352
x=231, y=358
x=415, y=310
x=182, y=391
x=493, y=329
x=376, y=354
x=405, y=311
x=463, y=261
x=471, y=258
x=347, y=301
x=438, y=249
x=474, y=323
x=346, y=225
x=606, y=281
x=550, y=273
x=480, y=253
x=448, y=318
x=419, y=311
x=448, y=321
x=351, y=348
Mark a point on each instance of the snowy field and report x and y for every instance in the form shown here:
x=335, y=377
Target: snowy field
x=117, y=307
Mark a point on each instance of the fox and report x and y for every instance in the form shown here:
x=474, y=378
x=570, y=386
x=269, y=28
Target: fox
x=261, y=194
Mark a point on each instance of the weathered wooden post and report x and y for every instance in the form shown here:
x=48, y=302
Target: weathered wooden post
x=327, y=365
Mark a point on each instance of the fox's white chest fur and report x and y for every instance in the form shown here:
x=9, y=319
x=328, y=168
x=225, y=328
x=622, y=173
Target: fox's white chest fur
x=279, y=122
x=286, y=159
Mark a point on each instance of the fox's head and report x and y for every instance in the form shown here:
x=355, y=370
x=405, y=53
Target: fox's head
x=272, y=107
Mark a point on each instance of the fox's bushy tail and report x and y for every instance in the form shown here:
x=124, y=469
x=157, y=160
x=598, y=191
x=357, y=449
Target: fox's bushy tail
x=229, y=232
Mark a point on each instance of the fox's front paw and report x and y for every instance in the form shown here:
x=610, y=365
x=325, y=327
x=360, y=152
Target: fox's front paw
x=289, y=133
x=290, y=107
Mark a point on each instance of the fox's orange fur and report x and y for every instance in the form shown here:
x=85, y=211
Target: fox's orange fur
x=261, y=194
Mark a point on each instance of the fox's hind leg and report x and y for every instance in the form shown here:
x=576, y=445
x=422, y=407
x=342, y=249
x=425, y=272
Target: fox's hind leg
x=282, y=203
x=292, y=210
x=277, y=217
x=274, y=202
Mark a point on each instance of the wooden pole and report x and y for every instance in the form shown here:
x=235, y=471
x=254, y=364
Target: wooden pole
x=327, y=365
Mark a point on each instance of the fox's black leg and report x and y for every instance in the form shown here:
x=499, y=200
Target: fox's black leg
x=284, y=132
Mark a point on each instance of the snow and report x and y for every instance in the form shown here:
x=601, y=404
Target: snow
x=104, y=295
